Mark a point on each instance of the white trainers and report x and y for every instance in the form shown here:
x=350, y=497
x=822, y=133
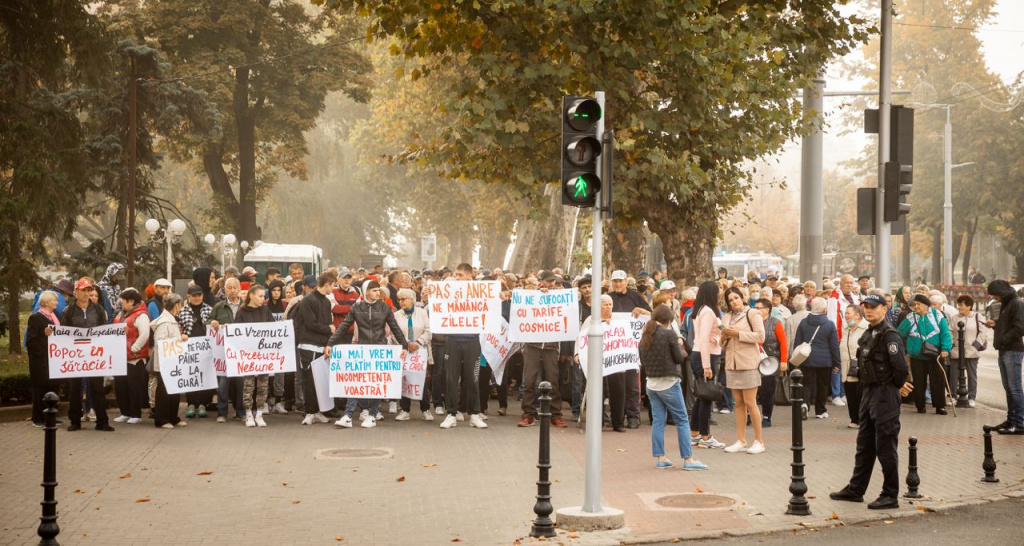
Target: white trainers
x=459, y=417
x=308, y=419
x=392, y=407
x=971, y=403
x=379, y=416
x=725, y=410
x=259, y=420
x=265, y=408
x=250, y=421
x=280, y=409
x=320, y=418
x=476, y=421
x=427, y=416
x=223, y=420
x=121, y=419
x=449, y=422
x=737, y=447
x=363, y=415
x=134, y=421
x=756, y=449
x=344, y=422
x=92, y=415
x=838, y=402
x=369, y=423
x=402, y=416
x=439, y=410
x=710, y=443
x=821, y=415
x=483, y=416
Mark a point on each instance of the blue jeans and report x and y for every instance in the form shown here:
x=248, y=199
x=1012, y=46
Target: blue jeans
x=1009, y=372
x=836, y=383
x=363, y=403
x=662, y=403
x=223, y=388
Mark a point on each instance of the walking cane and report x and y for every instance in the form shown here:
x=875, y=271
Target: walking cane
x=946, y=379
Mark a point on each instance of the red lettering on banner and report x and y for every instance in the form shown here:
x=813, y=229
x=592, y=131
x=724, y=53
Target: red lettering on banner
x=73, y=366
x=462, y=322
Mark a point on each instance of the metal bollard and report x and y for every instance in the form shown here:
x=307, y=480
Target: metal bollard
x=961, y=388
x=48, y=528
x=798, y=505
x=543, y=526
x=913, y=480
x=989, y=465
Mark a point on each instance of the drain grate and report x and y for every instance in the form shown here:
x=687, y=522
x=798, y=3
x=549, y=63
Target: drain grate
x=355, y=453
x=690, y=501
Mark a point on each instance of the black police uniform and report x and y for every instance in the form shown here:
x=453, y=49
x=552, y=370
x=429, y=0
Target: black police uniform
x=882, y=372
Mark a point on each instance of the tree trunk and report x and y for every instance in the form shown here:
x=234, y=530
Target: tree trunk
x=245, y=125
x=14, y=282
x=627, y=247
x=543, y=244
x=936, y=255
x=120, y=242
x=972, y=230
x=493, y=247
x=224, y=196
x=1018, y=268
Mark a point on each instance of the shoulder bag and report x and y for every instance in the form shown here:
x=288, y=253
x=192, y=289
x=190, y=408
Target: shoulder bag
x=978, y=344
x=802, y=351
x=929, y=351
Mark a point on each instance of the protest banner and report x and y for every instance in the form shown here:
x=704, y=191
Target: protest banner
x=259, y=348
x=636, y=325
x=322, y=382
x=621, y=349
x=496, y=349
x=87, y=352
x=541, y=317
x=464, y=307
x=187, y=366
x=414, y=374
x=366, y=371
x=220, y=365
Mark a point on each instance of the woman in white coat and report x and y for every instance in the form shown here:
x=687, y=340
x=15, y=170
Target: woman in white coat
x=415, y=325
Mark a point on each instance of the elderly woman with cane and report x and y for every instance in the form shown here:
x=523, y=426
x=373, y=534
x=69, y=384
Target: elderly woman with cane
x=926, y=334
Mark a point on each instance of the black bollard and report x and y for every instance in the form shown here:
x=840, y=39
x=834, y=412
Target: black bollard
x=798, y=505
x=48, y=528
x=913, y=480
x=989, y=465
x=543, y=526
x=961, y=388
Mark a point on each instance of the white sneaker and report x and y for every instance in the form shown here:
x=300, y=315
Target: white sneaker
x=259, y=420
x=710, y=443
x=369, y=423
x=134, y=421
x=344, y=422
x=427, y=416
x=821, y=415
x=736, y=448
x=402, y=416
x=121, y=419
x=483, y=416
x=182, y=423
x=476, y=421
x=838, y=402
x=379, y=416
x=320, y=418
x=725, y=410
x=439, y=410
x=971, y=403
x=92, y=415
x=167, y=425
x=308, y=419
x=250, y=421
x=392, y=407
x=223, y=420
x=756, y=449
x=363, y=415
x=280, y=409
x=449, y=422
x=265, y=408
x=459, y=416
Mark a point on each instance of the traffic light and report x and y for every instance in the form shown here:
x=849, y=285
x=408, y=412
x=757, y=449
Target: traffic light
x=580, y=150
x=898, y=183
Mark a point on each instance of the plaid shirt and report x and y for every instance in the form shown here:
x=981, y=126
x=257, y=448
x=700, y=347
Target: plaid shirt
x=187, y=319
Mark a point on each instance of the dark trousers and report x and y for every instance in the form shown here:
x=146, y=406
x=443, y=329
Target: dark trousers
x=928, y=372
x=617, y=397
x=406, y=403
x=460, y=359
x=306, y=359
x=816, y=387
x=483, y=383
x=853, y=395
x=166, y=404
x=132, y=390
x=506, y=377
x=878, y=438
x=766, y=392
x=200, y=398
x=700, y=417
x=38, y=392
x=438, y=384
x=632, y=382
x=99, y=400
x=540, y=365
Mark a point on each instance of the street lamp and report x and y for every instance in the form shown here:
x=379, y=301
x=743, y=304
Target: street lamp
x=225, y=242
x=175, y=229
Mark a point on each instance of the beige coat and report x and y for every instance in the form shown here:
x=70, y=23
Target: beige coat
x=741, y=353
x=164, y=327
x=420, y=327
x=848, y=347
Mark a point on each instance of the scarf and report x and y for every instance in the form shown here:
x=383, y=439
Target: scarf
x=49, y=314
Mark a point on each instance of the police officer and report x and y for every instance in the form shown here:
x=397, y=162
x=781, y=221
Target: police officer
x=882, y=373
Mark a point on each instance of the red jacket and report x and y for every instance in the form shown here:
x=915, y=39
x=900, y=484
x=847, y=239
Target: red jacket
x=341, y=309
x=132, y=333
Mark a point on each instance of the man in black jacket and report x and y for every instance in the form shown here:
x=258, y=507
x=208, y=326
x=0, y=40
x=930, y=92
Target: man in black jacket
x=314, y=324
x=1009, y=330
x=82, y=313
x=629, y=301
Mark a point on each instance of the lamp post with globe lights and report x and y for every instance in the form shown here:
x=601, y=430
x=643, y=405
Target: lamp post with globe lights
x=174, y=230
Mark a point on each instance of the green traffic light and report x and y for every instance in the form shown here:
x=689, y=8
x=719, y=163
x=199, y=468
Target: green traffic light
x=581, y=187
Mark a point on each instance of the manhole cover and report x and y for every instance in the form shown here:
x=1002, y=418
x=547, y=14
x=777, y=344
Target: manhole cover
x=354, y=453
x=695, y=502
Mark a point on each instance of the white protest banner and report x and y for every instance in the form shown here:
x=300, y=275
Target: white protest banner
x=464, y=307
x=636, y=325
x=259, y=348
x=621, y=349
x=497, y=349
x=414, y=374
x=187, y=366
x=88, y=352
x=322, y=382
x=220, y=364
x=540, y=317
x=366, y=371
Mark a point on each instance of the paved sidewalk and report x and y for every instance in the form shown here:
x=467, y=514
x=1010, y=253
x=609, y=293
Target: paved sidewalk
x=225, y=484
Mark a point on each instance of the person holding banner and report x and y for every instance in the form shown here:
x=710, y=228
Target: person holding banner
x=253, y=311
x=40, y=326
x=192, y=320
x=85, y=313
x=540, y=362
x=166, y=327
x=313, y=327
x=616, y=381
x=743, y=333
x=224, y=313
x=131, y=389
x=462, y=357
x=628, y=300
x=415, y=324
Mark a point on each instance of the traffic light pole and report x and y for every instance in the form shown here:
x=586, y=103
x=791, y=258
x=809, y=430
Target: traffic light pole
x=883, y=229
x=812, y=201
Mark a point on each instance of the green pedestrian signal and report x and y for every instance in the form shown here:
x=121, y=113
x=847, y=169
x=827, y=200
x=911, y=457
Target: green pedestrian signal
x=580, y=151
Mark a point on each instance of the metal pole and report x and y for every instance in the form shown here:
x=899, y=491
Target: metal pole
x=961, y=389
x=170, y=255
x=989, y=463
x=48, y=527
x=947, y=205
x=572, y=240
x=883, y=229
x=812, y=204
x=595, y=360
x=132, y=167
x=913, y=479
x=543, y=526
x=798, y=505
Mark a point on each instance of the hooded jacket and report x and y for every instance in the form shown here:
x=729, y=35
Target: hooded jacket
x=1010, y=326
x=370, y=320
x=110, y=292
x=201, y=277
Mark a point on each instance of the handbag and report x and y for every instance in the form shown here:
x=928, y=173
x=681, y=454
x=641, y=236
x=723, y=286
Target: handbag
x=854, y=370
x=929, y=351
x=782, y=390
x=802, y=351
x=710, y=391
x=978, y=344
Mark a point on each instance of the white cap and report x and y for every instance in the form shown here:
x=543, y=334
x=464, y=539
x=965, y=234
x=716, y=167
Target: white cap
x=163, y=282
x=249, y=269
x=619, y=275
x=668, y=285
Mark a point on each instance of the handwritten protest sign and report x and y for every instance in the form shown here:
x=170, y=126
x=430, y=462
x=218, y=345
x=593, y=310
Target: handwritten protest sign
x=497, y=349
x=414, y=374
x=322, y=382
x=88, y=352
x=464, y=307
x=636, y=325
x=220, y=364
x=366, y=371
x=621, y=349
x=259, y=348
x=540, y=317
x=187, y=366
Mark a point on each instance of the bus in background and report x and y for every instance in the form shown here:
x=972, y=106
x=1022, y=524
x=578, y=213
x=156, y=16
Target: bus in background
x=835, y=265
x=740, y=264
